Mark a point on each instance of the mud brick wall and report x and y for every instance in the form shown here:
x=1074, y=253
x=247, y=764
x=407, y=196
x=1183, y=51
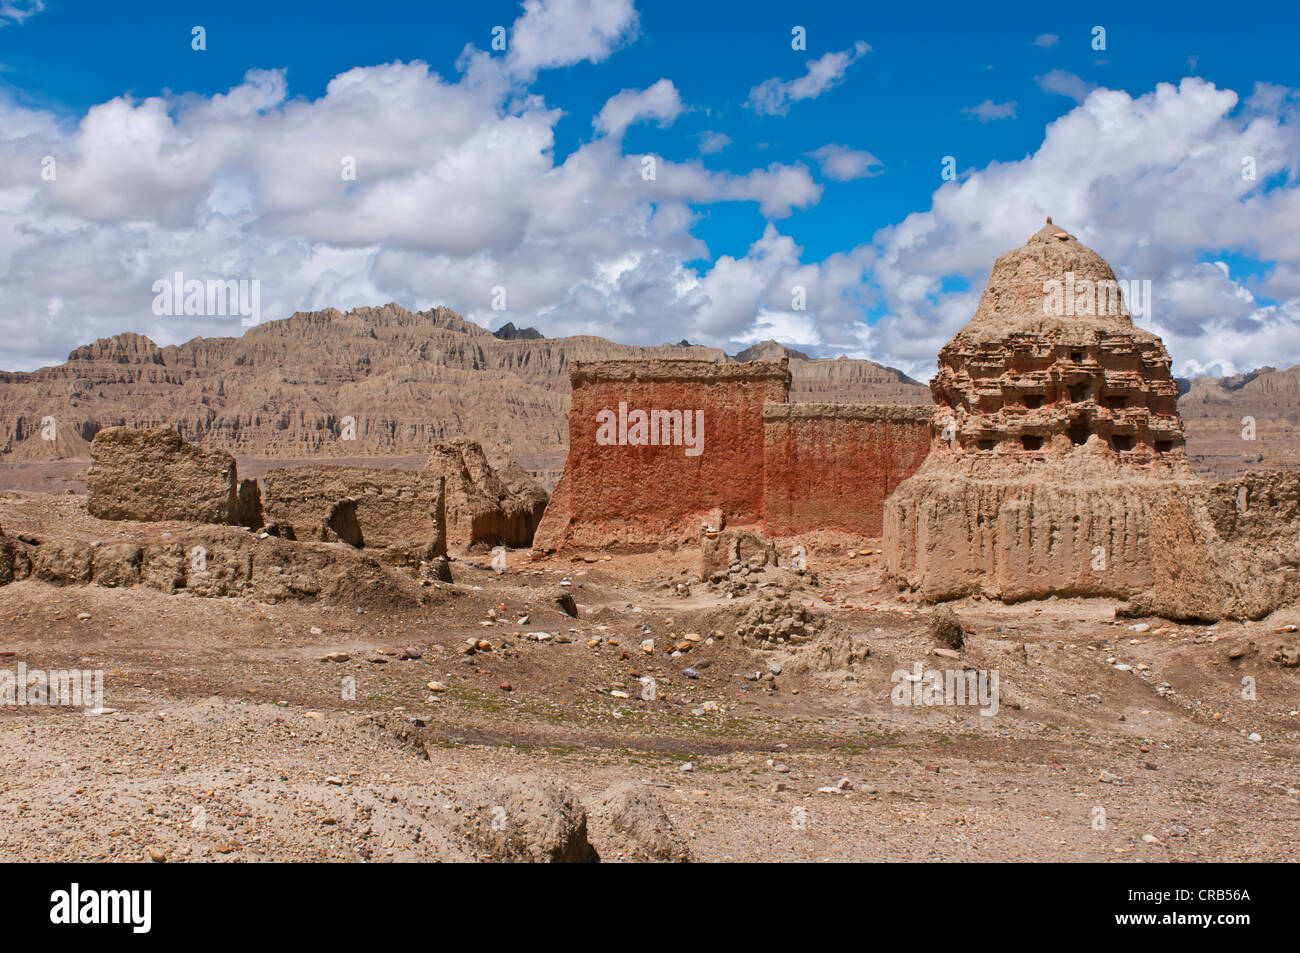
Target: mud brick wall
x=481, y=507
x=831, y=466
x=623, y=492
x=153, y=475
x=394, y=507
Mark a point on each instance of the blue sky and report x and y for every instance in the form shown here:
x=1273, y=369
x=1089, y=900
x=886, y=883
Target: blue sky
x=1001, y=88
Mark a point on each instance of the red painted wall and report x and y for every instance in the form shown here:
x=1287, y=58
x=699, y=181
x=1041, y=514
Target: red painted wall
x=660, y=484
x=794, y=467
x=831, y=466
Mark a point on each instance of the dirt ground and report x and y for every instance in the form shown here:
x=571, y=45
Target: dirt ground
x=229, y=735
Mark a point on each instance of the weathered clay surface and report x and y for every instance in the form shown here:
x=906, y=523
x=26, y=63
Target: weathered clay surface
x=14, y=560
x=520, y=483
x=393, y=507
x=528, y=819
x=624, y=491
x=214, y=561
x=154, y=475
x=1032, y=532
x=832, y=466
x=1233, y=552
x=627, y=823
x=1058, y=464
x=553, y=530
x=480, y=506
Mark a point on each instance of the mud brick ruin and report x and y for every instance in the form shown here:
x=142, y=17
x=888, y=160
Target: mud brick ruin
x=484, y=505
x=320, y=533
x=1058, y=464
x=656, y=446
x=832, y=466
x=154, y=475
x=391, y=507
x=617, y=489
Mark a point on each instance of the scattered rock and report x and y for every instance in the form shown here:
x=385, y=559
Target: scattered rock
x=945, y=628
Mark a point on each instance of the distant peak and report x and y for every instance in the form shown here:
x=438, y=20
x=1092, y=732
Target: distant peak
x=770, y=350
x=508, y=332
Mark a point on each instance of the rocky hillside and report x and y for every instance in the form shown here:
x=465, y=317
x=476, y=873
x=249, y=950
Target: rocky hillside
x=371, y=382
x=1218, y=413
x=842, y=380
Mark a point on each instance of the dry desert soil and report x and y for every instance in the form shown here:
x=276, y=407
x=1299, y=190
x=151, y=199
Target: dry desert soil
x=230, y=737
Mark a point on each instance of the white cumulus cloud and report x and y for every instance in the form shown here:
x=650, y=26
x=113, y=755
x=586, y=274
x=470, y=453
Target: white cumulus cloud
x=844, y=164
x=774, y=96
x=660, y=102
x=553, y=33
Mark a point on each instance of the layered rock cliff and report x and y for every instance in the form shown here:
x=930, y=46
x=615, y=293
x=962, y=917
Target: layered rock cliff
x=369, y=382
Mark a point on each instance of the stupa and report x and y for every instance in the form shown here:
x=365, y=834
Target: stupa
x=1056, y=442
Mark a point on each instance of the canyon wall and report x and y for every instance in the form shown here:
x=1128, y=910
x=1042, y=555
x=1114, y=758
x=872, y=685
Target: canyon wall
x=371, y=382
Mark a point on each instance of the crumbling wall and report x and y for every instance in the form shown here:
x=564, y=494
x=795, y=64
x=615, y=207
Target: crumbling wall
x=832, y=466
x=216, y=561
x=154, y=475
x=654, y=444
x=391, y=507
x=481, y=507
x=522, y=486
x=1262, y=508
x=1027, y=535
x=557, y=518
x=1234, y=553
x=1171, y=546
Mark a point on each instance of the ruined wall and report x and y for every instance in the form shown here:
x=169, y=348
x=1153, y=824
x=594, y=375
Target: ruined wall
x=393, y=507
x=235, y=563
x=153, y=475
x=1027, y=533
x=481, y=505
x=832, y=466
x=1170, y=544
x=653, y=444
